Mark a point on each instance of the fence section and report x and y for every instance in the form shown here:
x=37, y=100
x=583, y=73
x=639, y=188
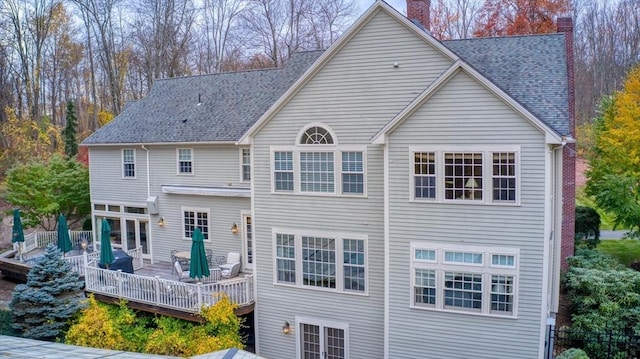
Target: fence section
x=607, y=344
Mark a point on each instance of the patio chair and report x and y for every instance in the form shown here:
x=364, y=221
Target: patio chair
x=182, y=274
x=209, y=253
x=232, y=267
x=173, y=259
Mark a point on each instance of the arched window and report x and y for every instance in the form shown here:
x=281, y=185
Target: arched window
x=316, y=135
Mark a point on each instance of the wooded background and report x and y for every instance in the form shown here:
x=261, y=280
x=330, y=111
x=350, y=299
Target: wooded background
x=100, y=54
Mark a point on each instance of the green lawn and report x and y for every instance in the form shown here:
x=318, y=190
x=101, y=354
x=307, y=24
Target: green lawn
x=626, y=250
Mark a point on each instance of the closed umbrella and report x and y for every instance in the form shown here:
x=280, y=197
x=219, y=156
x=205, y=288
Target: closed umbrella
x=106, y=253
x=18, y=232
x=199, y=267
x=64, y=242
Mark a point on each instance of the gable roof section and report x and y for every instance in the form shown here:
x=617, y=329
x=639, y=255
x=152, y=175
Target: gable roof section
x=364, y=19
x=382, y=135
x=230, y=103
x=531, y=69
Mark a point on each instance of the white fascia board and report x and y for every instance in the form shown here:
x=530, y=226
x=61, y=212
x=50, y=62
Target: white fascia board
x=208, y=191
x=374, y=9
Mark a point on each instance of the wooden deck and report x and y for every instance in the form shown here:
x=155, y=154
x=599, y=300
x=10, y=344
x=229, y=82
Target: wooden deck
x=152, y=288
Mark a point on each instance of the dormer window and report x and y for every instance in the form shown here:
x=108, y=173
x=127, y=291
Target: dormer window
x=318, y=165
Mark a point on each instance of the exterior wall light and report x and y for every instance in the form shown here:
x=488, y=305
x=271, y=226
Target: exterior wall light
x=161, y=222
x=234, y=228
x=286, y=329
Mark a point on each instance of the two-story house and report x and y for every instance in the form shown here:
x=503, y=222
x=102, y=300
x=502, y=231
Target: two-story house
x=399, y=197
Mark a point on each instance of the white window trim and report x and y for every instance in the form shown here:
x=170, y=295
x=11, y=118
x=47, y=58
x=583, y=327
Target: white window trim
x=339, y=237
x=323, y=323
x=316, y=124
x=196, y=210
x=486, y=269
x=487, y=173
x=242, y=180
x=337, y=173
x=135, y=167
x=193, y=162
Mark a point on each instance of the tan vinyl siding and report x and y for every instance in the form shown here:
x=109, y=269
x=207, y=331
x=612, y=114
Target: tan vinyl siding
x=464, y=112
x=355, y=94
x=105, y=174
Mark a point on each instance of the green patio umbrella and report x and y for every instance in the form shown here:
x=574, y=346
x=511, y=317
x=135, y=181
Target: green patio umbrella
x=106, y=253
x=64, y=242
x=18, y=232
x=199, y=267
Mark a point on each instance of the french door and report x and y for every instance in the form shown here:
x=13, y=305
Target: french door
x=319, y=341
x=138, y=235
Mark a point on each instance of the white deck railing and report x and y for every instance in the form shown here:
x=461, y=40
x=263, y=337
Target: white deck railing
x=187, y=297
x=78, y=263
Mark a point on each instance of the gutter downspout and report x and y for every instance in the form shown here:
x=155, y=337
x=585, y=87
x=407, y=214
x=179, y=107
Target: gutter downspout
x=148, y=170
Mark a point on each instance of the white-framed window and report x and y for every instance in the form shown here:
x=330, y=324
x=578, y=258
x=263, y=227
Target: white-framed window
x=185, y=160
x=128, y=163
x=465, y=175
x=193, y=218
x=318, y=165
x=321, y=339
x=478, y=280
x=327, y=261
x=245, y=164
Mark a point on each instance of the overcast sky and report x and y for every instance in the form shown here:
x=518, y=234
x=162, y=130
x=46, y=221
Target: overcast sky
x=400, y=5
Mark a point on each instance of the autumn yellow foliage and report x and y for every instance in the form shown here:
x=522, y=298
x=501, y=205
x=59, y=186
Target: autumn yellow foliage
x=24, y=139
x=106, y=326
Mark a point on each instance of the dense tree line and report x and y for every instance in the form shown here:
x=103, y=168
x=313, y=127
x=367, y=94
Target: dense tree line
x=100, y=54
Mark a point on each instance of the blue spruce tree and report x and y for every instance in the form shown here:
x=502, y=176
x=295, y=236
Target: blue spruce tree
x=53, y=294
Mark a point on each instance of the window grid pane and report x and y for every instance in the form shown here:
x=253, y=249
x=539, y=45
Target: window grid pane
x=424, y=175
x=502, y=293
x=425, y=255
x=193, y=220
x=425, y=286
x=352, y=172
x=128, y=163
x=246, y=164
x=310, y=341
x=504, y=176
x=185, y=162
x=286, y=258
x=319, y=262
x=503, y=260
x=334, y=343
x=463, y=290
x=354, y=266
x=463, y=257
x=316, y=172
x=316, y=136
x=463, y=176
x=283, y=171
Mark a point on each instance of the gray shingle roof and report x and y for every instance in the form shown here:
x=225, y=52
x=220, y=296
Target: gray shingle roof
x=230, y=104
x=532, y=69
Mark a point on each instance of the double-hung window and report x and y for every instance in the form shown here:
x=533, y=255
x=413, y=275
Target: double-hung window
x=456, y=278
x=245, y=159
x=185, y=161
x=195, y=218
x=128, y=163
x=317, y=164
x=473, y=175
x=322, y=261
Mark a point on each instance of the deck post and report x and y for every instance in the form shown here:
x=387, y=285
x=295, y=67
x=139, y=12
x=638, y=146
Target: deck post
x=199, y=295
x=119, y=279
x=246, y=290
x=157, y=285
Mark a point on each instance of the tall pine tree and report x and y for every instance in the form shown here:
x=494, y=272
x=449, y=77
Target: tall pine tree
x=69, y=133
x=53, y=295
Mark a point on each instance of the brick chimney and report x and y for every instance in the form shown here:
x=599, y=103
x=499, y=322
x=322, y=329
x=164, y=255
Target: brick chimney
x=419, y=10
x=565, y=25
